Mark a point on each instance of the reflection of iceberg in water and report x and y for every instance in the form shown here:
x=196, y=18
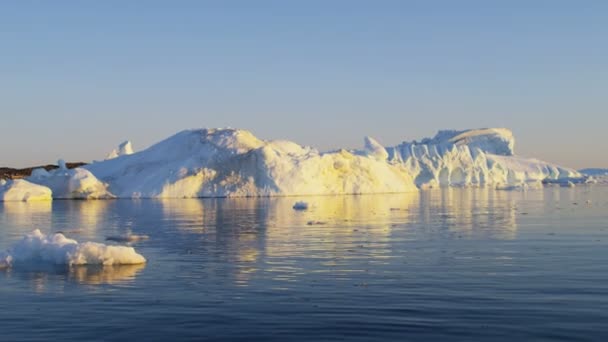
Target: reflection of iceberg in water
x=479, y=212
x=44, y=278
x=28, y=214
x=190, y=214
x=83, y=217
x=336, y=232
x=334, y=224
x=95, y=275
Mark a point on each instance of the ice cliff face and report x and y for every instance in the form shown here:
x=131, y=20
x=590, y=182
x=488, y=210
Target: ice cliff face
x=471, y=158
x=22, y=190
x=230, y=162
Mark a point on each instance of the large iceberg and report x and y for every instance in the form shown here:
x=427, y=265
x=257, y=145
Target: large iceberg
x=231, y=163
x=235, y=163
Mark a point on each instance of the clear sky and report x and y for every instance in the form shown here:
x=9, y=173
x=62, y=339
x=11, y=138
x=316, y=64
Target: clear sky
x=79, y=77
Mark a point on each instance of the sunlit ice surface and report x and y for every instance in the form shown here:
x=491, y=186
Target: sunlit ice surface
x=451, y=263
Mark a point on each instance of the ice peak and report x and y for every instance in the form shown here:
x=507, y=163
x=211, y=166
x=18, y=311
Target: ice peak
x=239, y=140
x=375, y=149
x=125, y=148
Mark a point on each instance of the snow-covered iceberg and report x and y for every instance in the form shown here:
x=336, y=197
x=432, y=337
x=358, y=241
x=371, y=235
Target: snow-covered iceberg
x=231, y=162
x=22, y=190
x=474, y=157
x=55, y=249
x=234, y=163
x=77, y=183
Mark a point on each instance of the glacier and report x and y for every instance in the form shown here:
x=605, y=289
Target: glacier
x=234, y=163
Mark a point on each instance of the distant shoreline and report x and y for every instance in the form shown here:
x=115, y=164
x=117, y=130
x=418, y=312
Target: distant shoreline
x=12, y=173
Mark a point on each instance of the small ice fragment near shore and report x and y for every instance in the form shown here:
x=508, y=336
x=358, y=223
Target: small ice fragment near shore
x=301, y=205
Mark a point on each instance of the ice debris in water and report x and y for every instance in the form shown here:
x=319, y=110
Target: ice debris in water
x=38, y=248
x=301, y=205
x=128, y=237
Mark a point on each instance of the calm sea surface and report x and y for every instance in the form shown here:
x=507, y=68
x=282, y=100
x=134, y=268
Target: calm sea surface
x=454, y=264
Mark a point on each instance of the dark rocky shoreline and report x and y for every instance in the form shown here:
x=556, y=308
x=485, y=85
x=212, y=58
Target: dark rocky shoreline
x=11, y=173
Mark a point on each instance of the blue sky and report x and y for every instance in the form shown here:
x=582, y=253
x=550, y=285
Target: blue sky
x=78, y=77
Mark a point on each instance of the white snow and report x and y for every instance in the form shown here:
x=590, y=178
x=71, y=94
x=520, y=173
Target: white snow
x=22, y=190
x=37, y=248
x=77, y=183
x=124, y=149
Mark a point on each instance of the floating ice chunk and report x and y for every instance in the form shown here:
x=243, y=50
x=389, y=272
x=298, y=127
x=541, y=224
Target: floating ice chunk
x=524, y=186
x=301, y=205
x=37, y=248
x=128, y=238
x=22, y=190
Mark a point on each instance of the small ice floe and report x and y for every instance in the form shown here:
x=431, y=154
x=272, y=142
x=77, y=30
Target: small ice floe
x=128, y=238
x=316, y=223
x=301, y=205
x=36, y=248
x=73, y=231
x=569, y=184
x=513, y=187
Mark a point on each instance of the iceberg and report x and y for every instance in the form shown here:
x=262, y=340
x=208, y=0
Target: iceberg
x=77, y=183
x=55, y=249
x=22, y=190
x=235, y=163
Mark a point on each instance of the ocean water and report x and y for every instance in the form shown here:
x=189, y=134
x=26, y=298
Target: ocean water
x=452, y=264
